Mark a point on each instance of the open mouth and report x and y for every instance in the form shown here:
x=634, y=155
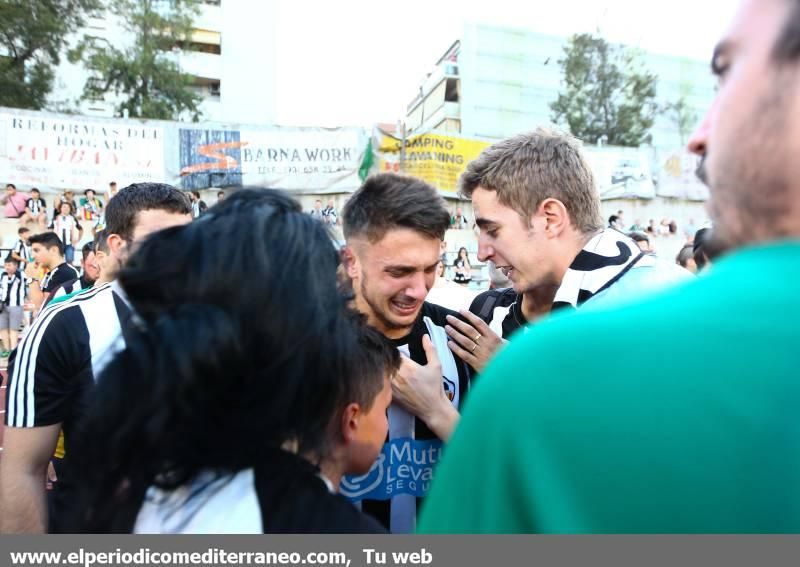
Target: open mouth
x=405, y=308
x=508, y=271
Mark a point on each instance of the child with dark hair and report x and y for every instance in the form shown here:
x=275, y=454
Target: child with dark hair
x=35, y=210
x=12, y=301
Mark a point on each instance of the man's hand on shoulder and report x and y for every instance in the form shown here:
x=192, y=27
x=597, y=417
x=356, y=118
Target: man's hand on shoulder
x=474, y=342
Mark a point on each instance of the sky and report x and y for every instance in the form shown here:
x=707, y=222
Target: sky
x=357, y=62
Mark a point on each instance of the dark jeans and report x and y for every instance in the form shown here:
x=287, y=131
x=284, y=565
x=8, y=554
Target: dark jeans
x=69, y=253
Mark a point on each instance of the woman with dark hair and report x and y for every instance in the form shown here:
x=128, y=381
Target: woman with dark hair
x=246, y=388
x=463, y=270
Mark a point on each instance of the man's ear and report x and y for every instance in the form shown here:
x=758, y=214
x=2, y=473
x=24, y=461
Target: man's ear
x=350, y=262
x=115, y=244
x=351, y=417
x=555, y=216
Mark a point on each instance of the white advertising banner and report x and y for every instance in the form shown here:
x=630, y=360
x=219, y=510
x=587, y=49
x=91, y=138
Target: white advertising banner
x=677, y=176
x=318, y=160
x=65, y=152
x=621, y=172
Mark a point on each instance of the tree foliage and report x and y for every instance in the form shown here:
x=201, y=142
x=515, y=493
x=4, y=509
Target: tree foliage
x=606, y=93
x=145, y=76
x=33, y=34
x=682, y=115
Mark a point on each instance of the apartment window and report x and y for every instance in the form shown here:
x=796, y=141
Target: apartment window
x=204, y=41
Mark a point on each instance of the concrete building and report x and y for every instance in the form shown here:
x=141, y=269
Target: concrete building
x=231, y=58
x=498, y=81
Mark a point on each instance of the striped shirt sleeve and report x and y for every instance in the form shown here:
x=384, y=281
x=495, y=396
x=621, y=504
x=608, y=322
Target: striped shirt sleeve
x=48, y=370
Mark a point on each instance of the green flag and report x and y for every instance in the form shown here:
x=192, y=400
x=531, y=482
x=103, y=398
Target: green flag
x=367, y=162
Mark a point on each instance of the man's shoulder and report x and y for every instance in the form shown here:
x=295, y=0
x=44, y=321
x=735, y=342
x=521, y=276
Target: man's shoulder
x=650, y=275
x=502, y=297
x=602, y=332
x=67, y=291
x=78, y=298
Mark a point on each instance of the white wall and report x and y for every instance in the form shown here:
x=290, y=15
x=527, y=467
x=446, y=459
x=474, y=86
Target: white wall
x=249, y=57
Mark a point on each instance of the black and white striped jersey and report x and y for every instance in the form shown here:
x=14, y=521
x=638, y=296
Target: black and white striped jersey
x=12, y=289
x=53, y=370
x=67, y=228
x=60, y=355
x=284, y=494
x=395, y=486
x=24, y=251
x=36, y=206
x=58, y=277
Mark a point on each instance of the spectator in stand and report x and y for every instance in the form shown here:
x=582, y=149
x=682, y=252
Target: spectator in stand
x=329, y=214
x=621, y=220
x=689, y=231
x=459, y=221
x=463, y=270
x=220, y=196
x=14, y=202
x=199, y=206
x=663, y=228
x=67, y=197
x=101, y=224
x=637, y=226
x=35, y=210
x=673, y=227
x=449, y=294
x=91, y=209
x=613, y=222
x=685, y=258
x=68, y=229
x=12, y=301
x=652, y=228
x=316, y=212
x=642, y=240
x=49, y=269
x=21, y=251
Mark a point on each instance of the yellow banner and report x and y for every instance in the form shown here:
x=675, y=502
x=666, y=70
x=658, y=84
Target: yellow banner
x=437, y=159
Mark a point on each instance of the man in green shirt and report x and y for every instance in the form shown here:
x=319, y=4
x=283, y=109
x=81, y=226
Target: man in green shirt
x=677, y=413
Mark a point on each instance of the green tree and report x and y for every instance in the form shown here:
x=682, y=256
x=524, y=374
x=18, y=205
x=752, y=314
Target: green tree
x=682, y=115
x=146, y=75
x=33, y=34
x=607, y=94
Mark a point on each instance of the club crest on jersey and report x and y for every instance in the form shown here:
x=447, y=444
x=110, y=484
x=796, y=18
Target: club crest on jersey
x=449, y=388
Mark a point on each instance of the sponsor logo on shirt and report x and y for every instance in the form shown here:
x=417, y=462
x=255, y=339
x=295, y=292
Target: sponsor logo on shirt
x=405, y=466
